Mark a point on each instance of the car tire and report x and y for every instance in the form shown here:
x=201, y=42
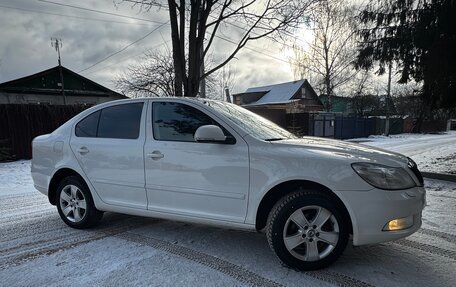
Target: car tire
x=307, y=230
x=75, y=203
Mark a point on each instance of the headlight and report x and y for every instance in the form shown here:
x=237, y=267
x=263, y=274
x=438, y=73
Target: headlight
x=384, y=177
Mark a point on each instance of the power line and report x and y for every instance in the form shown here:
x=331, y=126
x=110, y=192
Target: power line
x=142, y=19
x=252, y=49
x=257, y=34
x=124, y=48
x=70, y=16
x=161, y=24
x=128, y=57
x=98, y=11
x=156, y=46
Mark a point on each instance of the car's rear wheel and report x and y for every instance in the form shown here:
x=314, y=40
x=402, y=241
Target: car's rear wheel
x=75, y=203
x=307, y=230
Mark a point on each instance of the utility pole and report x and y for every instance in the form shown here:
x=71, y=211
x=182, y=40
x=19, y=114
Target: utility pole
x=57, y=44
x=388, y=94
x=203, y=79
x=227, y=95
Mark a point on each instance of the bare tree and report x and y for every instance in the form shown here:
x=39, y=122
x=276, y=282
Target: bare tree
x=204, y=20
x=153, y=76
x=225, y=79
x=407, y=98
x=362, y=83
x=329, y=58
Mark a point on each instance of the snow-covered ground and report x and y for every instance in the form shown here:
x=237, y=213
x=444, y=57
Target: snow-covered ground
x=38, y=249
x=432, y=152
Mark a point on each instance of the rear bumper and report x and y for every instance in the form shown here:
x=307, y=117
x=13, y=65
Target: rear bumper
x=40, y=179
x=371, y=210
x=41, y=189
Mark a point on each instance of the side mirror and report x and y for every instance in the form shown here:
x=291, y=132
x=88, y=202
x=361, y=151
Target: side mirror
x=209, y=133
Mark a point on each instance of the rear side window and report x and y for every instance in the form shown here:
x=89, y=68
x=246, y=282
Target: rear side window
x=120, y=121
x=88, y=126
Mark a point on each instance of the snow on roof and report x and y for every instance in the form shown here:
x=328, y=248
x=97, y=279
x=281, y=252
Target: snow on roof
x=276, y=94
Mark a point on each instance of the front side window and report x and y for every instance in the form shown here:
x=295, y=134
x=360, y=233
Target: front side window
x=120, y=121
x=177, y=122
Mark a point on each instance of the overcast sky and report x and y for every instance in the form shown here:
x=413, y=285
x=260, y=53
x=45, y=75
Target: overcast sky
x=88, y=37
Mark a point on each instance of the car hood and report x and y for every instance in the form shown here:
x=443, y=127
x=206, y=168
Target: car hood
x=352, y=151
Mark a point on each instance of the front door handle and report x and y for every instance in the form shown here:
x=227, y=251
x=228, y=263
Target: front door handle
x=82, y=150
x=155, y=155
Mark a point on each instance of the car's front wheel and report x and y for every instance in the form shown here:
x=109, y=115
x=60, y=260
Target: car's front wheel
x=75, y=203
x=307, y=230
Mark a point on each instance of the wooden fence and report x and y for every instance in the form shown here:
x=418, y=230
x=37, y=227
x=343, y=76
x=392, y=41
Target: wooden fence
x=19, y=124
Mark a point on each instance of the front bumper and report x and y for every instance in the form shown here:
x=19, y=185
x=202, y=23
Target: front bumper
x=371, y=210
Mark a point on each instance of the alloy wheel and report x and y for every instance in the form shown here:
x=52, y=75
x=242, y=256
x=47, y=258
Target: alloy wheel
x=311, y=233
x=73, y=203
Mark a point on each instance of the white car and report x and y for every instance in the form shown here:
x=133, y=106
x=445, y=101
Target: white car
x=212, y=162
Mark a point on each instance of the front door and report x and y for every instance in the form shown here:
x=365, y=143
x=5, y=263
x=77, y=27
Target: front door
x=108, y=145
x=206, y=180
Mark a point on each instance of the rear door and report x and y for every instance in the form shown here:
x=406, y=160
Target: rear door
x=206, y=180
x=108, y=145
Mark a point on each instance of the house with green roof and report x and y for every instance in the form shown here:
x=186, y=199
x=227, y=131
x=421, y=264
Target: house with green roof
x=342, y=105
x=46, y=87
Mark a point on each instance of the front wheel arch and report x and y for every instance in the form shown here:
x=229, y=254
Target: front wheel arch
x=283, y=189
x=307, y=230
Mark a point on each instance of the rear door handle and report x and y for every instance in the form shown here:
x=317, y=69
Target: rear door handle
x=155, y=155
x=82, y=150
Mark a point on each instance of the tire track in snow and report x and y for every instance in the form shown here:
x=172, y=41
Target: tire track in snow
x=337, y=279
x=15, y=219
x=31, y=228
x=6, y=201
x=444, y=196
x=13, y=207
x=25, y=213
x=24, y=251
x=235, y=271
x=22, y=207
x=60, y=238
x=443, y=235
x=427, y=248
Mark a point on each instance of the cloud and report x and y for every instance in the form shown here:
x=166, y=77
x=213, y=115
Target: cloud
x=26, y=49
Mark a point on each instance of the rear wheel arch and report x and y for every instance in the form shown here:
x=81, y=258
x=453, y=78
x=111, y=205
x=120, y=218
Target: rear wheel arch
x=279, y=191
x=57, y=178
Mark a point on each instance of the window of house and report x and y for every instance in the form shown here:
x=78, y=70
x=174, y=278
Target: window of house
x=303, y=93
x=178, y=122
x=120, y=121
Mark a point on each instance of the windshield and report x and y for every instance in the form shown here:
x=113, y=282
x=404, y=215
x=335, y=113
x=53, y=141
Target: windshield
x=252, y=123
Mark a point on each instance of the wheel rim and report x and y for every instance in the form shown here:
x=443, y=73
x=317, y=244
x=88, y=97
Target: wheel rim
x=311, y=233
x=73, y=203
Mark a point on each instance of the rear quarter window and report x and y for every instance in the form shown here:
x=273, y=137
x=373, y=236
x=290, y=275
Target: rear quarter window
x=88, y=126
